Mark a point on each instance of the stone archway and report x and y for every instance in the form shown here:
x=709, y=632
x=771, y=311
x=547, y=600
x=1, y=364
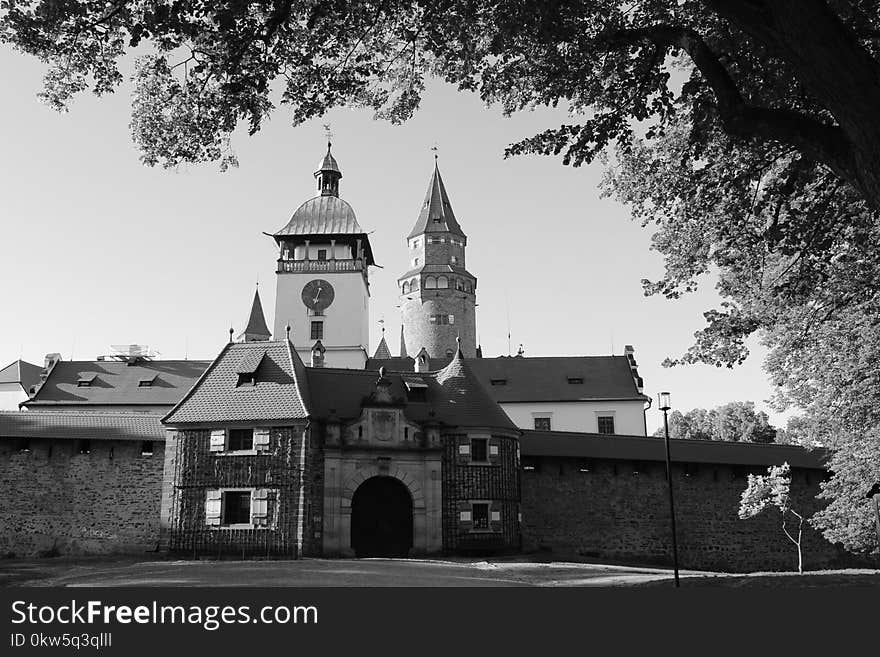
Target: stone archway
x=381, y=518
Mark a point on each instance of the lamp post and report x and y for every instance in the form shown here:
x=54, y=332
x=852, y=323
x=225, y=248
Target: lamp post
x=665, y=405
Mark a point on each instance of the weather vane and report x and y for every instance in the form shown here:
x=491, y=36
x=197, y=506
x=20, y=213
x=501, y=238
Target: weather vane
x=382, y=324
x=328, y=132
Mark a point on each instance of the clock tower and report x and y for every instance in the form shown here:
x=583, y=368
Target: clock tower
x=323, y=286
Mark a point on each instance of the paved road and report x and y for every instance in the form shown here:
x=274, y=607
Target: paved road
x=318, y=572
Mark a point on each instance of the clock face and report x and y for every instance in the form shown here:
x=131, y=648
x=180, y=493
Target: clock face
x=317, y=294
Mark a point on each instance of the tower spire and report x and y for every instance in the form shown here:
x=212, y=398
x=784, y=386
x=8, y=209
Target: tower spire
x=436, y=214
x=328, y=174
x=256, y=330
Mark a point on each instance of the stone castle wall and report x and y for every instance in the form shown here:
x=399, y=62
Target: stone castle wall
x=58, y=501
x=619, y=510
x=495, y=482
x=418, y=331
x=197, y=470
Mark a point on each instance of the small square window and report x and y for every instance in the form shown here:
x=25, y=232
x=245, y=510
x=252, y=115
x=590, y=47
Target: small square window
x=236, y=507
x=606, y=424
x=147, y=448
x=240, y=440
x=317, y=331
x=479, y=449
x=498, y=382
x=575, y=380
x=480, y=515
x=542, y=424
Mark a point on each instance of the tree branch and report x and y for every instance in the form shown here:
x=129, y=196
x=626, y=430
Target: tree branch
x=826, y=143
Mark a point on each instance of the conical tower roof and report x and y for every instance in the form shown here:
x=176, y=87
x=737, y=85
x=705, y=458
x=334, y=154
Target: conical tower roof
x=436, y=215
x=256, y=330
x=468, y=400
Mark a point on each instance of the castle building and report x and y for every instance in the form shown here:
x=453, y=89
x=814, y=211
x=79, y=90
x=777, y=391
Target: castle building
x=268, y=457
x=323, y=287
x=298, y=444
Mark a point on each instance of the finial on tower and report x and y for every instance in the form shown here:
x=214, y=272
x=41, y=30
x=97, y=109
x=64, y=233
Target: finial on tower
x=287, y=332
x=231, y=331
x=435, y=148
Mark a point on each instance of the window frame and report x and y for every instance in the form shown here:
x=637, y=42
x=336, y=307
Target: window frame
x=541, y=418
x=485, y=448
x=319, y=334
x=605, y=415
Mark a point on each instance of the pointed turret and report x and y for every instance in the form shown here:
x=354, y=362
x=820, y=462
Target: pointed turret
x=328, y=174
x=257, y=330
x=402, y=353
x=436, y=215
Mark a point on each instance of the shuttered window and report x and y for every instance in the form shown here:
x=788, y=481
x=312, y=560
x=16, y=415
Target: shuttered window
x=213, y=504
x=261, y=440
x=218, y=440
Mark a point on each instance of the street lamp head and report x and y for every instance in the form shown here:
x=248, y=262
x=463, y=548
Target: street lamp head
x=665, y=402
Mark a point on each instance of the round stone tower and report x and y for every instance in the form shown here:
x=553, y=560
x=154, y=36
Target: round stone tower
x=438, y=294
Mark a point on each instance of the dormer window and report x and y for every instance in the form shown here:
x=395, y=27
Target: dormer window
x=498, y=382
x=247, y=368
x=85, y=380
x=146, y=382
x=575, y=380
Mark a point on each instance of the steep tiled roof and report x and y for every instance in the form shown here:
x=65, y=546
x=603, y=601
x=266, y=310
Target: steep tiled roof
x=541, y=378
x=117, y=382
x=91, y=426
x=436, y=214
x=640, y=448
x=221, y=395
x=322, y=215
x=21, y=372
x=256, y=325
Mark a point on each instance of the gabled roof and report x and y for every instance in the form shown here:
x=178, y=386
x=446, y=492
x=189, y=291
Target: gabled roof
x=640, y=448
x=436, y=215
x=275, y=393
x=88, y=426
x=256, y=325
x=542, y=379
x=21, y=372
x=116, y=382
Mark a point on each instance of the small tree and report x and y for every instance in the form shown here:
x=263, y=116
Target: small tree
x=772, y=489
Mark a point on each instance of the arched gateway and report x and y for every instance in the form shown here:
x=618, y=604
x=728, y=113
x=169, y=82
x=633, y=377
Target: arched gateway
x=381, y=518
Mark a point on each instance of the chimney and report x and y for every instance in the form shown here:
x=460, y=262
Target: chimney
x=422, y=361
x=318, y=354
x=630, y=354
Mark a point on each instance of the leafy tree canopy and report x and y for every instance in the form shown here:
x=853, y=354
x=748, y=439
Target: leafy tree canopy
x=733, y=422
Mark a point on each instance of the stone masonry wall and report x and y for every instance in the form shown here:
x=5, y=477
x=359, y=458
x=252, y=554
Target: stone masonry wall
x=439, y=338
x=610, y=512
x=56, y=500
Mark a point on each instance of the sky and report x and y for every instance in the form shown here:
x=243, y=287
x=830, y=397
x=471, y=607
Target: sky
x=97, y=249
